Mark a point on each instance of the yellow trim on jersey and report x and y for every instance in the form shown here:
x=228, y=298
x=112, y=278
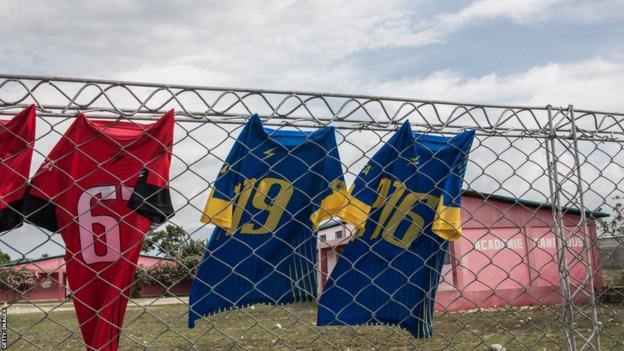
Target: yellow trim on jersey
x=447, y=223
x=218, y=211
x=330, y=206
x=355, y=212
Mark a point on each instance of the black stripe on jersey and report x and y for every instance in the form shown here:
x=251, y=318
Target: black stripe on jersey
x=10, y=217
x=40, y=212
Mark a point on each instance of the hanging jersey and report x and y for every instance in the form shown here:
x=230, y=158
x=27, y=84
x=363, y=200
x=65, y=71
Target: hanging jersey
x=102, y=187
x=271, y=193
x=406, y=204
x=17, y=137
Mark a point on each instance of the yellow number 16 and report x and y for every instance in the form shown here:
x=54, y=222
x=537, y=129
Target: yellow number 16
x=398, y=208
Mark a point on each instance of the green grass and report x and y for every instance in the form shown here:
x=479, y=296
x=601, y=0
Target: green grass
x=612, y=276
x=164, y=328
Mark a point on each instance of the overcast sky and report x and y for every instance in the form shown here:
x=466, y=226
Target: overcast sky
x=513, y=51
x=534, y=52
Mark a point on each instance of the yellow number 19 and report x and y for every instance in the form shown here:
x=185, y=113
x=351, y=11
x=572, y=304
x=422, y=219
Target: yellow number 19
x=275, y=208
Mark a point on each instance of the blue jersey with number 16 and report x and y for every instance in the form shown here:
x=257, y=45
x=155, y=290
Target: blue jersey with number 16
x=268, y=199
x=405, y=204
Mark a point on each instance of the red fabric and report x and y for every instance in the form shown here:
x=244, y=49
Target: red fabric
x=89, y=177
x=17, y=137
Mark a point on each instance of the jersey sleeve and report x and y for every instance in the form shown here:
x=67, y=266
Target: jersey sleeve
x=447, y=222
x=151, y=196
x=220, y=205
x=333, y=196
x=16, y=149
x=48, y=184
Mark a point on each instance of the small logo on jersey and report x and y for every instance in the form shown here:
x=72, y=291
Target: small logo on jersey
x=47, y=166
x=338, y=185
x=415, y=161
x=224, y=168
x=143, y=173
x=366, y=170
x=118, y=156
x=268, y=153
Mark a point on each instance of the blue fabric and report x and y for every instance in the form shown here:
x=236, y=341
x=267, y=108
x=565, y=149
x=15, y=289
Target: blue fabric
x=377, y=281
x=277, y=265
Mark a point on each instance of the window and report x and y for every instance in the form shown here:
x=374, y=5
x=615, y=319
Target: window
x=447, y=257
x=323, y=237
x=339, y=234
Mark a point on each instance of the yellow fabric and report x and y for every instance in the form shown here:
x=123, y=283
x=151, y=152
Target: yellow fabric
x=330, y=206
x=447, y=223
x=218, y=211
x=355, y=212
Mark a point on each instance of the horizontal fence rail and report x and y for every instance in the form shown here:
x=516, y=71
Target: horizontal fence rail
x=539, y=264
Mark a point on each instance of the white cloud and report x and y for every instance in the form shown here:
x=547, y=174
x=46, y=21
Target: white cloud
x=288, y=44
x=231, y=37
x=520, y=11
x=594, y=83
x=590, y=11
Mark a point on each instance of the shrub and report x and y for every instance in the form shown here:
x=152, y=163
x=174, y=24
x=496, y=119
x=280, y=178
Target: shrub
x=168, y=273
x=135, y=291
x=188, y=265
x=16, y=279
x=162, y=274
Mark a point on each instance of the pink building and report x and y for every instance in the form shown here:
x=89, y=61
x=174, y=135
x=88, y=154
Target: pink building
x=51, y=282
x=506, y=256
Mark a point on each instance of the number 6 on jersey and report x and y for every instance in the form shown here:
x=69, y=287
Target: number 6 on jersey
x=87, y=222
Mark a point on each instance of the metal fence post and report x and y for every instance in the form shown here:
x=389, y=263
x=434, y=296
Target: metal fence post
x=560, y=241
x=593, y=340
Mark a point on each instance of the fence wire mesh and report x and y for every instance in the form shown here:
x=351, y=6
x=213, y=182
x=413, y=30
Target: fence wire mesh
x=539, y=266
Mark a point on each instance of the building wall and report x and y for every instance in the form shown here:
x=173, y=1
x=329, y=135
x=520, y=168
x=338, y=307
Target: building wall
x=154, y=290
x=52, y=280
x=49, y=287
x=329, y=249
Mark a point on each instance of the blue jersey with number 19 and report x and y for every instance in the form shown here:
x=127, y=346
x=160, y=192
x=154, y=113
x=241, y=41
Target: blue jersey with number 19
x=271, y=193
x=405, y=204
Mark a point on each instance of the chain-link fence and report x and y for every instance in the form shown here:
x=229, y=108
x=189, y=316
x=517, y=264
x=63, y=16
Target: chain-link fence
x=539, y=266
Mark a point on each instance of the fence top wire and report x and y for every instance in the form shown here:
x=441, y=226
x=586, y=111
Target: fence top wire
x=63, y=97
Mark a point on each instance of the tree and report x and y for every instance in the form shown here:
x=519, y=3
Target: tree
x=173, y=242
x=192, y=248
x=614, y=224
x=165, y=241
x=4, y=257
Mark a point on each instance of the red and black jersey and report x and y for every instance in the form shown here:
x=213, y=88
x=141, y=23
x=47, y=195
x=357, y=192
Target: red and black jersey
x=102, y=187
x=17, y=137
